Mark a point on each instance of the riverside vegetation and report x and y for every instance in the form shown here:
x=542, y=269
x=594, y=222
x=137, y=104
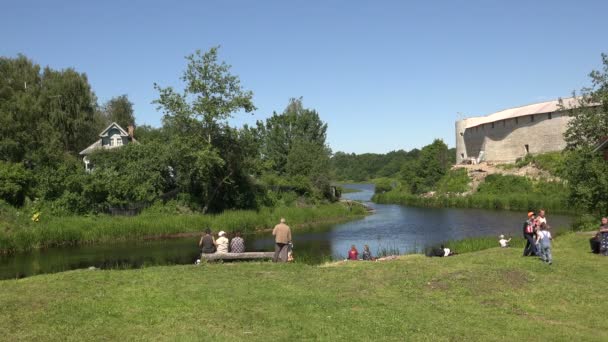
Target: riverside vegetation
x=18, y=233
x=213, y=173
x=496, y=292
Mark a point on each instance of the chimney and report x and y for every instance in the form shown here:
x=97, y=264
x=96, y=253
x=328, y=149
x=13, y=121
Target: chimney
x=131, y=131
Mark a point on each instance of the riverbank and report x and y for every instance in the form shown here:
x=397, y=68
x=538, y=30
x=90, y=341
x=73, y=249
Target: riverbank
x=20, y=234
x=494, y=294
x=513, y=202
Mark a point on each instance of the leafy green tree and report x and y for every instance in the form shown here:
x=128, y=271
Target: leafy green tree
x=67, y=104
x=206, y=162
x=586, y=175
x=120, y=110
x=211, y=95
x=292, y=145
x=281, y=132
x=14, y=183
x=589, y=122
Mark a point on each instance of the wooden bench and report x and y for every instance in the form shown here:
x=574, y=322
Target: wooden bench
x=237, y=256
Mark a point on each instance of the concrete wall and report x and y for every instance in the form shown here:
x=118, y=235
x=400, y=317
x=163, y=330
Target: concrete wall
x=506, y=140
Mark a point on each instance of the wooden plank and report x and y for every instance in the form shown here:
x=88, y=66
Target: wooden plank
x=238, y=256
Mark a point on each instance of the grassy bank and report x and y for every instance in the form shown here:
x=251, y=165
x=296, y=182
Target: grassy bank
x=18, y=233
x=490, y=295
x=518, y=202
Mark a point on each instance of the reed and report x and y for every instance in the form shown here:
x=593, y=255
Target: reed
x=72, y=230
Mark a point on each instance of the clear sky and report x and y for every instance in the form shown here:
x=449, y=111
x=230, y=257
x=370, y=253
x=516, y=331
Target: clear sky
x=384, y=75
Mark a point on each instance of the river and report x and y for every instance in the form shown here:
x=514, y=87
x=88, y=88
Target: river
x=392, y=228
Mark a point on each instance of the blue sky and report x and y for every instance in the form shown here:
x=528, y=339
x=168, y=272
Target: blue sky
x=384, y=75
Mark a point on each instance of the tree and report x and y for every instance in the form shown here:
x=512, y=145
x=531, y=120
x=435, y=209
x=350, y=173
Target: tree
x=589, y=122
x=281, y=132
x=584, y=170
x=120, y=110
x=211, y=96
x=14, y=183
x=586, y=173
x=205, y=161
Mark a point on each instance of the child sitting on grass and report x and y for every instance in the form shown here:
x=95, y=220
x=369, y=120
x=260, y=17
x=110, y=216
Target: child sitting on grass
x=504, y=243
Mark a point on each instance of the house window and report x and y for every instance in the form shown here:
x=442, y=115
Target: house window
x=531, y=118
x=516, y=121
x=527, y=147
x=504, y=123
x=118, y=141
x=492, y=125
x=550, y=116
x=111, y=142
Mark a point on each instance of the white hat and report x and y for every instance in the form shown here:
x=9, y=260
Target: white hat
x=501, y=236
x=221, y=233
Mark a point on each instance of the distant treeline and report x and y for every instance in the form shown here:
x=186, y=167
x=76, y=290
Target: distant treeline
x=419, y=168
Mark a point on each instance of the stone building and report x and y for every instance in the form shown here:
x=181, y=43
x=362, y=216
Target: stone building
x=510, y=134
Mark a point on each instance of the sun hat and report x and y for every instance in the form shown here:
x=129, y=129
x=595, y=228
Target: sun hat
x=221, y=233
x=501, y=236
x=530, y=214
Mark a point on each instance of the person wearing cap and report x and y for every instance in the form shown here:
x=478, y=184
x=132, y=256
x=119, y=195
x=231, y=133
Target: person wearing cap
x=528, y=229
x=282, y=237
x=504, y=243
x=222, y=242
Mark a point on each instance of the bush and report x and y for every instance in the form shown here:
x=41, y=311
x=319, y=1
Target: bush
x=455, y=181
x=14, y=183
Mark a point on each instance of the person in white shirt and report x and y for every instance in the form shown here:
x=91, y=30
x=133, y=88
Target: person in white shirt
x=222, y=242
x=544, y=237
x=504, y=243
x=541, y=217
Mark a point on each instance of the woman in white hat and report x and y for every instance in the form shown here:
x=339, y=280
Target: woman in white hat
x=222, y=242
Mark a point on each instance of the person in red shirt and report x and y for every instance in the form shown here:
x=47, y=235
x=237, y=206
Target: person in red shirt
x=353, y=254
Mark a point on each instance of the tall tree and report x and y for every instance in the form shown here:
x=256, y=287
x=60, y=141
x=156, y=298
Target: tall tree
x=589, y=122
x=282, y=131
x=120, y=110
x=196, y=118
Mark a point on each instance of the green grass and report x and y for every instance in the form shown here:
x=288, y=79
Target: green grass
x=496, y=192
x=492, y=295
x=518, y=202
x=18, y=233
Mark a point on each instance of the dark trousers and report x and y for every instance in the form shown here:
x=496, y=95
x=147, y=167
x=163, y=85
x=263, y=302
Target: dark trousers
x=530, y=248
x=280, y=252
x=594, y=242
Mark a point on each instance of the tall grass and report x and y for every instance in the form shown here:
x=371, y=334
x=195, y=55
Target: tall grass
x=71, y=230
x=519, y=202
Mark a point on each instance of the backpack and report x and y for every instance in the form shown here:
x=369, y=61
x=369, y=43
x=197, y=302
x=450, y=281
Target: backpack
x=529, y=228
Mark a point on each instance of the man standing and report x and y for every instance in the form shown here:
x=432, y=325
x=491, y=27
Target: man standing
x=528, y=229
x=282, y=236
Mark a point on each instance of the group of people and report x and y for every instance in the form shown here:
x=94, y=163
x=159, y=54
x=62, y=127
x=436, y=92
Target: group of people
x=599, y=243
x=538, y=237
x=210, y=245
x=353, y=253
x=281, y=232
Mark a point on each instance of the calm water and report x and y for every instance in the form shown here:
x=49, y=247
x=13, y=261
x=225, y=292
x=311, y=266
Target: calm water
x=392, y=227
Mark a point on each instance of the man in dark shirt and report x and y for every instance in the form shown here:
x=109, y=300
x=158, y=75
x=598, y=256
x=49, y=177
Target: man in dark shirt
x=528, y=229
